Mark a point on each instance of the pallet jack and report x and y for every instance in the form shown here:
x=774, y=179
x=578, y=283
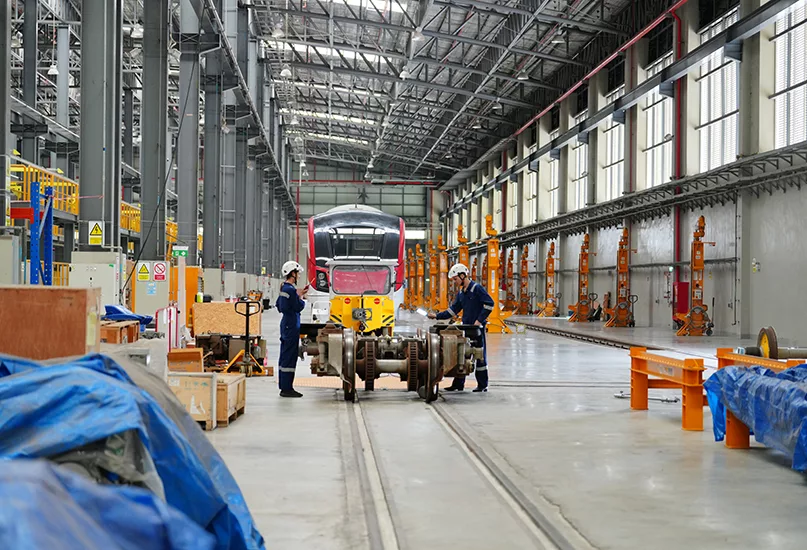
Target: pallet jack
x=245, y=362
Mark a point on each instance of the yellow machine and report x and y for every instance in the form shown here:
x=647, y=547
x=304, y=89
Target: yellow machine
x=582, y=308
x=621, y=315
x=696, y=322
x=362, y=296
x=549, y=308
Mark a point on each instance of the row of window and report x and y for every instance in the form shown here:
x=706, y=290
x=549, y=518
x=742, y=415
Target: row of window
x=718, y=83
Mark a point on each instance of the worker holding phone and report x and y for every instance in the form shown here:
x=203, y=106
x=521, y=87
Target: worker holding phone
x=290, y=302
x=476, y=305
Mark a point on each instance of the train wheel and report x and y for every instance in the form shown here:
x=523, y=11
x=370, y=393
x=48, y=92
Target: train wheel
x=369, y=365
x=413, y=381
x=349, y=366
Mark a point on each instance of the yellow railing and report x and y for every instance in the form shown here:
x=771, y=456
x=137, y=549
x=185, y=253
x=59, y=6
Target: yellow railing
x=65, y=191
x=130, y=217
x=171, y=231
x=61, y=273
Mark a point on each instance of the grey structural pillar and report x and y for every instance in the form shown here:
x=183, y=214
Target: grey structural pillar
x=242, y=196
x=154, y=129
x=188, y=139
x=5, y=100
x=63, y=90
x=112, y=151
x=94, y=118
x=211, y=206
x=228, y=197
x=127, y=152
x=29, y=73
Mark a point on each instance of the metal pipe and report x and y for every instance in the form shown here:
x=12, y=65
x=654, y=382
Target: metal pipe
x=391, y=365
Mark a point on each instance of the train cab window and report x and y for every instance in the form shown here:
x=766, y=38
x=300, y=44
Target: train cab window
x=357, y=242
x=359, y=279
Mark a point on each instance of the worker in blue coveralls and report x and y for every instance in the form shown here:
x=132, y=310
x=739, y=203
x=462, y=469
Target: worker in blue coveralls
x=290, y=303
x=476, y=305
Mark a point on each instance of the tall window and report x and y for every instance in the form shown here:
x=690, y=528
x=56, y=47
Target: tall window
x=719, y=102
x=659, y=112
x=554, y=181
x=512, y=204
x=580, y=179
x=614, y=152
x=531, y=194
x=791, y=78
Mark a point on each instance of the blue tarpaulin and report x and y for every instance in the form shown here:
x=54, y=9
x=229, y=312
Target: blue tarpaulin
x=49, y=410
x=120, y=313
x=47, y=506
x=773, y=405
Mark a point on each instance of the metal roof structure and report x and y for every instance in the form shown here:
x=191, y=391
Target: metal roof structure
x=426, y=89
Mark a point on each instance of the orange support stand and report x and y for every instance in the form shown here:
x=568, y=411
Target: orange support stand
x=621, y=315
x=696, y=322
x=668, y=373
x=473, y=269
x=485, y=269
x=581, y=309
x=433, y=269
x=442, y=259
x=550, y=306
x=411, y=275
x=524, y=298
x=496, y=320
x=510, y=303
x=738, y=435
x=464, y=255
x=421, y=279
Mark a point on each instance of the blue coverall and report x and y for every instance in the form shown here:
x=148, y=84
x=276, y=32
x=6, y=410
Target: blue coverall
x=476, y=305
x=290, y=305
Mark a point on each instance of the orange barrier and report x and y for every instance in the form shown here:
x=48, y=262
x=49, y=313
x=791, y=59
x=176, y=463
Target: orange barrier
x=668, y=373
x=65, y=191
x=738, y=435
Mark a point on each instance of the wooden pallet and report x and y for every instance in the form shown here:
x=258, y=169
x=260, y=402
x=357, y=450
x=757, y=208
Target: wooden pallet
x=232, y=417
x=120, y=332
x=231, y=397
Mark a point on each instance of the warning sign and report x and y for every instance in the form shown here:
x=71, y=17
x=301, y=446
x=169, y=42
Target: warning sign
x=96, y=233
x=143, y=271
x=159, y=271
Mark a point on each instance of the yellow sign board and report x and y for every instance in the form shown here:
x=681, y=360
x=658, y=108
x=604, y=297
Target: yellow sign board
x=143, y=271
x=96, y=236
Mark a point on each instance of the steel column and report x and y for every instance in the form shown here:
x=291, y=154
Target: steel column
x=128, y=131
x=112, y=150
x=188, y=138
x=29, y=78
x=211, y=209
x=63, y=88
x=92, y=158
x=5, y=101
x=154, y=147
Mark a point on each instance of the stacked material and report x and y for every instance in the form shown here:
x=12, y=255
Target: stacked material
x=119, y=428
x=773, y=406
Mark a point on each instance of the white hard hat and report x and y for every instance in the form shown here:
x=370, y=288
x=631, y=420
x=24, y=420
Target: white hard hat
x=456, y=269
x=288, y=267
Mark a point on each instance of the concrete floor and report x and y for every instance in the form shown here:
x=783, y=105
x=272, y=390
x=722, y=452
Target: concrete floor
x=607, y=476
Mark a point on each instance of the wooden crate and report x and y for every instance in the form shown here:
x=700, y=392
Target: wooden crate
x=221, y=318
x=197, y=392
x=39, y=322
x=231, y=398
x=120, y=332
x=186, y=360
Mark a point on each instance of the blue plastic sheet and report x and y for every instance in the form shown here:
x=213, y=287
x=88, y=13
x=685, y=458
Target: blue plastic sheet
x=773, y=406
x=120, y=313
x=47, y=506
x=48, y=410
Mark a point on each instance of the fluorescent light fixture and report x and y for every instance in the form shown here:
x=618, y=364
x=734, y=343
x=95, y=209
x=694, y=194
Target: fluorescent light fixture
x=294, y=121
x=522, y=76
x=316, y=136
x=476, y=125
x=325, y=116
x=370, y=165
x=417, y=36
x=286, y=72
x=302, y=163
x=53, y=70
x=323, y=51
x=16, y=42
x=277, y=32
x=298, y=139
x=405, y=74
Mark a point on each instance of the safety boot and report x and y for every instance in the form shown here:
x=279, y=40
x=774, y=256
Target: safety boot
x=290, y=393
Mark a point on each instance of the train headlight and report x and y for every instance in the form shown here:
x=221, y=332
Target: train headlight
x=322, y=282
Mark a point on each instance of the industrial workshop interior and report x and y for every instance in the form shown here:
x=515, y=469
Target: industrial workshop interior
x=403, y=274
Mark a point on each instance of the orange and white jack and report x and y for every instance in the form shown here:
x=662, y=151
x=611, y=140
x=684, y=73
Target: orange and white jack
x=496, y=319
x=524, y=298
x=585, y=298
x=697, y=321
x=621, y=315
x=549, y=308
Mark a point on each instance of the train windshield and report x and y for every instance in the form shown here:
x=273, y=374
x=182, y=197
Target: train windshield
x=359, y=279
x=357, y=242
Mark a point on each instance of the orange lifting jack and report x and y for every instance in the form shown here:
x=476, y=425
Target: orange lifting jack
x=485, y=269
x=697, y=321
x=411, y=275
x=442, y=260
x=421, y=278
x=524, y=298
x=496, y=319
x=473, y=269
x=550, y=307
x=621, y=315
x=510, y=303
x=463, y=254
x=582, y=308
x=432, y=300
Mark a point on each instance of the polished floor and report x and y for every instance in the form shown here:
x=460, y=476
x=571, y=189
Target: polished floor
x=603, y=475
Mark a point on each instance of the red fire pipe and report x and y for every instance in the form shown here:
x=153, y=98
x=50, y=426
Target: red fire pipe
x=679, y=153
x=653, y=24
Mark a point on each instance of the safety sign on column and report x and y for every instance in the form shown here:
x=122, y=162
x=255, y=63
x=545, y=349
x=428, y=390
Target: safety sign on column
x=143, y=271
x=160, y=269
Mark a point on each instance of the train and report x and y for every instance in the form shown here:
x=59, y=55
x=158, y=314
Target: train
x=353, y=232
